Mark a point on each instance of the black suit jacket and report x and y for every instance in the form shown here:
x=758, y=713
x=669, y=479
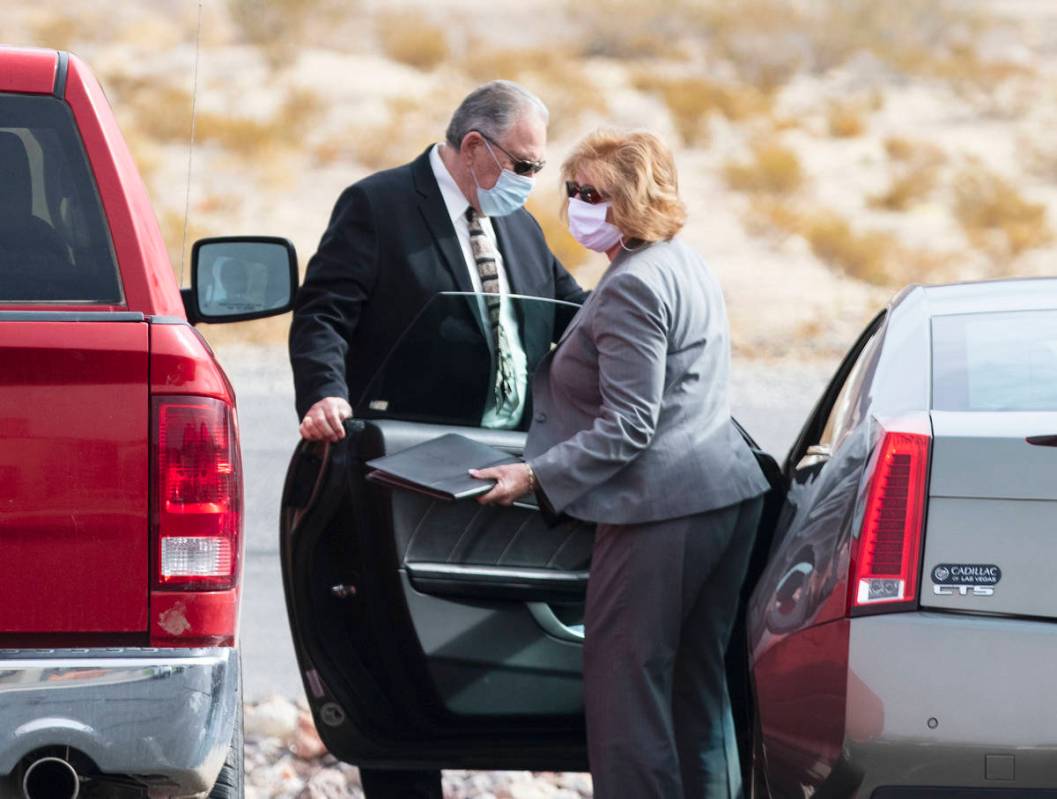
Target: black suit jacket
x=389, y=248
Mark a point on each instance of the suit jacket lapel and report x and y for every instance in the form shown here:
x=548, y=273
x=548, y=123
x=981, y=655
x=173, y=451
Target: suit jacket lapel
x=513, y=264
x=435, y=214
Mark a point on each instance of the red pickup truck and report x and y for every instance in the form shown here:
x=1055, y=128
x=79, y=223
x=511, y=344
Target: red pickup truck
x=120, y=475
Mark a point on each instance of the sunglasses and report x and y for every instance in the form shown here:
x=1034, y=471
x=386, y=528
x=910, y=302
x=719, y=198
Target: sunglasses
x=589, y=194
x=521, y=167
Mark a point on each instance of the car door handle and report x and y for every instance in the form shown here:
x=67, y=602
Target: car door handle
x=1043, y=441
x=816, y=454
x=552, y=625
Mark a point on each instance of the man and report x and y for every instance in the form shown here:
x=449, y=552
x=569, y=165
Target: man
x=451, y=220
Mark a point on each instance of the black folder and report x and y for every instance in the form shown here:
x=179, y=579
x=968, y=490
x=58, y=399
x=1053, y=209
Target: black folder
x=439, y=467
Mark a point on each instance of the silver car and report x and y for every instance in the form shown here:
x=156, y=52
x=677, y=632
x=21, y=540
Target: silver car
x=902, y=632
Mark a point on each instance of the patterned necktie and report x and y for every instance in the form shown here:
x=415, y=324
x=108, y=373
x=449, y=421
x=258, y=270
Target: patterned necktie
x=485, y=257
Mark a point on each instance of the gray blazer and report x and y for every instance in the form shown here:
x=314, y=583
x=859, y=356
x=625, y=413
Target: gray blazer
x=632, y=421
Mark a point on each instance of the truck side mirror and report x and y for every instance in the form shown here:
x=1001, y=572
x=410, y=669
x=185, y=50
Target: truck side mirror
x=235, y=278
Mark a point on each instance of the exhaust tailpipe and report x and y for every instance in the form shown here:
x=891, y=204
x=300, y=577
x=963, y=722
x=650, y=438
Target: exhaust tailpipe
x=50, y=778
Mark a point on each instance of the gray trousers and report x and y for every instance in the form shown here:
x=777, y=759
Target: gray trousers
x=661, y=604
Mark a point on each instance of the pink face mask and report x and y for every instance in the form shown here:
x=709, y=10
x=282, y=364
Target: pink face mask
x=588, y=225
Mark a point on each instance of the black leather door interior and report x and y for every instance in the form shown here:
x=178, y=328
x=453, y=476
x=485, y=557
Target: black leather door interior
x=495, y=594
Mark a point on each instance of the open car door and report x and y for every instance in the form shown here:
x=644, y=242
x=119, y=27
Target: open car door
x=436, y=634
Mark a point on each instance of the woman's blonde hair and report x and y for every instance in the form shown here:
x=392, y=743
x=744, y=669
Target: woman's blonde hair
x=636, y=173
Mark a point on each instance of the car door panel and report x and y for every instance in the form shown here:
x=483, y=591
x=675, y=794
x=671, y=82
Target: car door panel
x=486, y=653
x=434, y=531
x=456, y=669
x=492, y=658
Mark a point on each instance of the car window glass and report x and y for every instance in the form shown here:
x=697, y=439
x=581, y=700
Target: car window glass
x=995, y=361
x=54, y=242
x=443, y=368
x=842, y=414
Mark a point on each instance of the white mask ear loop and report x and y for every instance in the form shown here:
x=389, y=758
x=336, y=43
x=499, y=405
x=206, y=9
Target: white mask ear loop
x=626, y=248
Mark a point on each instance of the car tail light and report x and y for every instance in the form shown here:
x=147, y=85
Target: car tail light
x=886, y=559
x=197, y=485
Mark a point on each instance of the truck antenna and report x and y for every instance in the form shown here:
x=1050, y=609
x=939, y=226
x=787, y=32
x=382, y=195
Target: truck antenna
x=191, y=143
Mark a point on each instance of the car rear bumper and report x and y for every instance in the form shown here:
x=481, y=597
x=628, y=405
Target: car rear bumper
x=163, y=716
x=940, y=700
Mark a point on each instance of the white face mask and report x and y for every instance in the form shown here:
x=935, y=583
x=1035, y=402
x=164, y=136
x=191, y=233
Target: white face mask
x=588, y=225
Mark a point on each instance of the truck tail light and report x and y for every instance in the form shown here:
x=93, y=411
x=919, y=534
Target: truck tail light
x=197, y=485
x=886, y=559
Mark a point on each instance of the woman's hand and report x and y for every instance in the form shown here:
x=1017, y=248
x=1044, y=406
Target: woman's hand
x=513, y=480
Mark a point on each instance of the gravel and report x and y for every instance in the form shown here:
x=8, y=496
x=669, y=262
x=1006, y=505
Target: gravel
x=285, y=759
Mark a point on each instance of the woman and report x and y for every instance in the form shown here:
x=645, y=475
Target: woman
x=632, y=430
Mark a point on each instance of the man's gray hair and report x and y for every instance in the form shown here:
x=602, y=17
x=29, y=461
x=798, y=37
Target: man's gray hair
x=493, y=109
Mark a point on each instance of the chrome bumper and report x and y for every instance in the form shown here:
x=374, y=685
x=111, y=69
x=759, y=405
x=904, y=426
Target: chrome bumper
x=163, y=716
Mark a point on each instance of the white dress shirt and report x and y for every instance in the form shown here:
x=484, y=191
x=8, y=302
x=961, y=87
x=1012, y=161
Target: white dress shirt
x=456, y=203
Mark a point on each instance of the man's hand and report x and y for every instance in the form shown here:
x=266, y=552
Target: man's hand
x=513, y=480
x=323, y=420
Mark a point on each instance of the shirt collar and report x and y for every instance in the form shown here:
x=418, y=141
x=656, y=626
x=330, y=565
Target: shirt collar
x=454, y=200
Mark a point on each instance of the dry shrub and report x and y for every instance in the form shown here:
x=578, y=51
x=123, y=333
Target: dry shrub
x=57, y=31
x=767, y=41
x=249, y=137
x=916, y=169
x=913, y=151
x=243, y=136
x=994, y=215
x=900, y=148
x=907, y=188
x=771, y=217
x=763, y=40
x=629, y=29
x=156, y=109
x=874, y=257
x=772, y=169
x=544, y=206
x=280, y=28
x=971, y=76
x=299, y=112
x=408, y=38
x=933, y=39
x=690, y=101
x=413, y=124
x=331, y=150
x=908, y=36
x=218, y=205
x=846, y=120
x=483, y=63
x=783, y=122
x=392, y=142
x=160, y=31
x=171, y=223
x=548, y=71
x=1038, y=156
x=147, y=155
x=866, y=256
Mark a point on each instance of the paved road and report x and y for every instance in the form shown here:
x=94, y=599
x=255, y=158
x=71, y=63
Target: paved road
x=770, y=400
